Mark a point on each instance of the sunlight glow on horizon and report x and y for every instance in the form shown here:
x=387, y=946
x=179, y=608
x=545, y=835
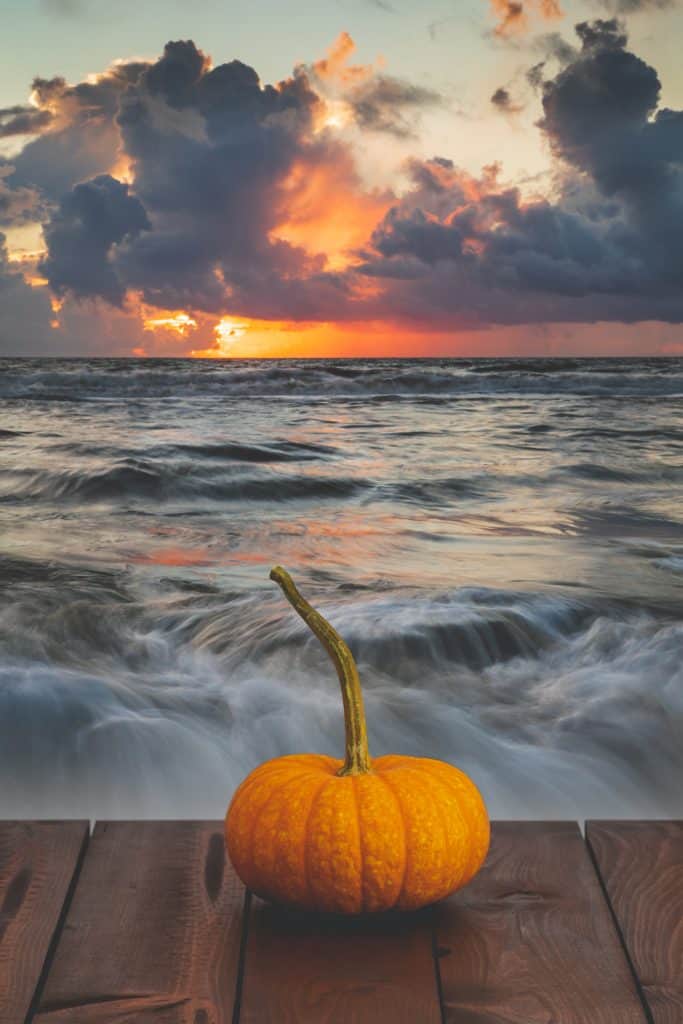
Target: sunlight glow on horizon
x=178, y=322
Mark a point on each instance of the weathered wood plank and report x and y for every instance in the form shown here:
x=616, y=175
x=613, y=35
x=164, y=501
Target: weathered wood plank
x=311, y=969
x=531, y=940
x=153, y=932
x=641, y=866
x=38, y=865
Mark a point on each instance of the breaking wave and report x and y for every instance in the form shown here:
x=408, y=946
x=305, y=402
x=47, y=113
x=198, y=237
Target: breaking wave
x=556, y=707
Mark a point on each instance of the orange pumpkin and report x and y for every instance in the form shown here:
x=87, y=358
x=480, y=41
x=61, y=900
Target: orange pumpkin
x=354, y=836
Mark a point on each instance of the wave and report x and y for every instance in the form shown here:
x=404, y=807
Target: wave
x=195, y=474
x=136, y=480
x=556, y=707
x=388, y=380
x=275, y=451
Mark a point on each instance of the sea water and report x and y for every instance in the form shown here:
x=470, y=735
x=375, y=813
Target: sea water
x=500, y=542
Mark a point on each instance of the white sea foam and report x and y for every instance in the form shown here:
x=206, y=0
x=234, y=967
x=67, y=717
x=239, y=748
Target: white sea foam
x=555, y=709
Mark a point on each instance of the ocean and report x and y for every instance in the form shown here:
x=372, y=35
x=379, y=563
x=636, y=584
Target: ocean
x=499, y=541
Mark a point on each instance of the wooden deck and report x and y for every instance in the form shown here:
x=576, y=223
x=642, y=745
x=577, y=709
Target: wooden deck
x=146, y=921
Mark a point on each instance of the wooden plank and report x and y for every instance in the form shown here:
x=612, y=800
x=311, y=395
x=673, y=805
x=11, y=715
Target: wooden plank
x=531, y=939
x=153, y=932
x=302, y=968
x=38, y=866
x=641, y=866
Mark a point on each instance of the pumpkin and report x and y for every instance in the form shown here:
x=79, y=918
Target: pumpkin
x=357, y=836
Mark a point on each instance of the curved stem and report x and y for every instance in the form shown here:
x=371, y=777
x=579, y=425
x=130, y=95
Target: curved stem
x=357, y=759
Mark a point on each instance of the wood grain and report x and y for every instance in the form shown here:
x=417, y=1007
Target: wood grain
x=38, y=864
x=531, y=940
x=641, y=866
x=313, y=969
x=153, y=932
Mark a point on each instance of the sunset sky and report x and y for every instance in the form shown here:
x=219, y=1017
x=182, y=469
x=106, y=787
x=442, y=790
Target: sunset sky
x=341, y=178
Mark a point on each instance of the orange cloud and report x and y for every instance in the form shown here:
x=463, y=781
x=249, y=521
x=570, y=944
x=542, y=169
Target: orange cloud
x=335, y=66
x=513, y=15
x=325, y=211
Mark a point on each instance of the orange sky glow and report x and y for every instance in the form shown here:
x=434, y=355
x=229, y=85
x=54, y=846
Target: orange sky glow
x=324, y=218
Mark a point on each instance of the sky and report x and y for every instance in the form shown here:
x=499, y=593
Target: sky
x=341, y=178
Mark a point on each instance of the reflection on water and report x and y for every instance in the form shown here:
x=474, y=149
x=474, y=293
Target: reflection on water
x=502, y=543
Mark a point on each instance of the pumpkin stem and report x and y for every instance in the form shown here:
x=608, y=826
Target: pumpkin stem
x=357, y=759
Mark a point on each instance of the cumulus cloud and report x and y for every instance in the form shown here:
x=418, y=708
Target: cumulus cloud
x=91, y=219
x=611, y=245
x=77, y=136
x=187, y=186
x=218, y=163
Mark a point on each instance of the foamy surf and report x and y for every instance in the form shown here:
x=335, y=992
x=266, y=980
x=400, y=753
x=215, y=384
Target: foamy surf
x=499, y=542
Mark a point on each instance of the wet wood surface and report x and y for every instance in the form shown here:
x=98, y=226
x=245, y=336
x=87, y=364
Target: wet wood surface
x=38, y=865
x=641, y=866
x=147, y=921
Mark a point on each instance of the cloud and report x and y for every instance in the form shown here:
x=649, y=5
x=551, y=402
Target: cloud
x=22, y=120
x=513, y=16
x=215, y=193
x=77, y=135
x=26, y=311
x=383, y=104
x=364, y=95
x=335, y=66
x=596, y=112
x=633, y=6
x=227, y=176
x=502, y=101
x=610, y=246
x=91, y=219
x=20, y=205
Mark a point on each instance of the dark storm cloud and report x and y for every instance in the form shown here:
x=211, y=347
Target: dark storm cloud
x=384, y=104
x=596, y=112
x=176, y=76
x=212, y=153
x=91, y=219
x=602, y=34
x=211, y=149
x=611, y=247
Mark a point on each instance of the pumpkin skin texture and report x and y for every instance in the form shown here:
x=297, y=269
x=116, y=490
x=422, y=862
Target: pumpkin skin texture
x=354, y=836
x=406, y=833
